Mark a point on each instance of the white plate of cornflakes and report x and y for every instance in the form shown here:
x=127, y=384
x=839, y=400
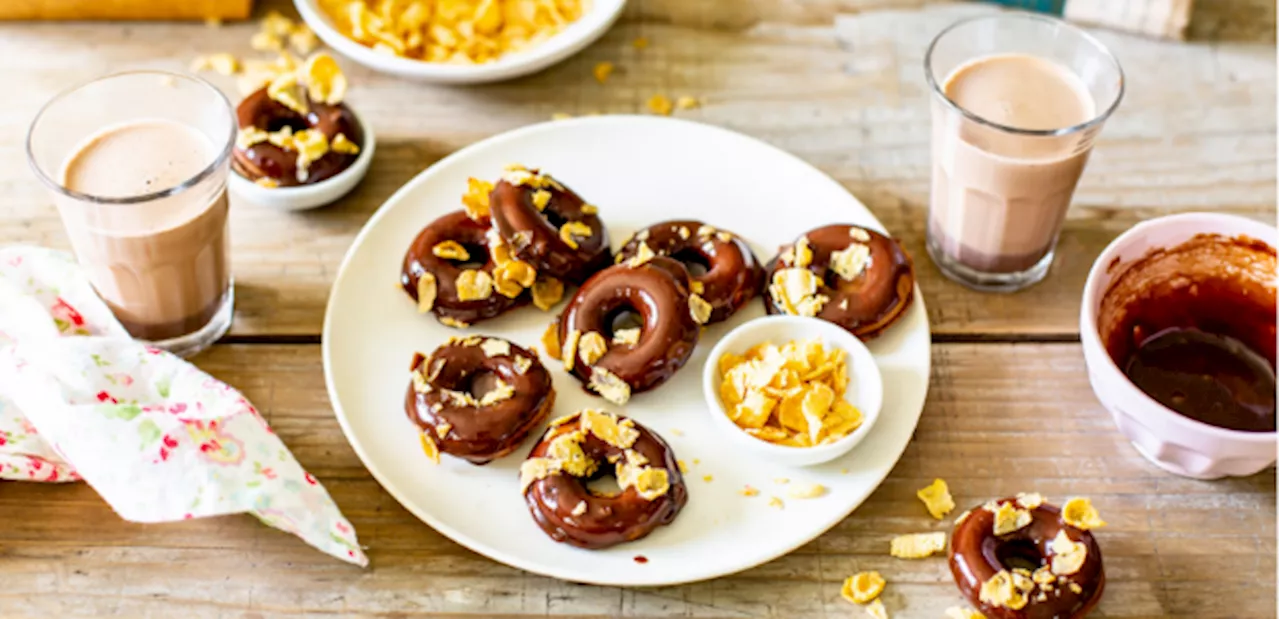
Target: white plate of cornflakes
x=459, y=41
x=639, y=171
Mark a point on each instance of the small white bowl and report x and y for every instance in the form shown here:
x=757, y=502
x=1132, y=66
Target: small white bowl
x=305, y=197
x=1173, y=442
x=571, y=40
x=866, y=388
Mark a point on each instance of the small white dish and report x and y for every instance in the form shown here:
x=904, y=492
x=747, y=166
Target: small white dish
x=866, y=388
x=306, y=197
x=571, y=40
x=1171, y=441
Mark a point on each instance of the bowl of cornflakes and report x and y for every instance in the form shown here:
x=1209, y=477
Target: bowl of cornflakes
x=796, y=390
x=459, y=41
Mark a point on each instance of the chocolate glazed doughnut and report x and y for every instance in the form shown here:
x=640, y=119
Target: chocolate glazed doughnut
x=616, y=362
x=730, y=275
x=582, y=447
x=266, y=160
x=431, y=277
x=478, y=398
x=1044, y=569
x=852, y=276
x=549, y=226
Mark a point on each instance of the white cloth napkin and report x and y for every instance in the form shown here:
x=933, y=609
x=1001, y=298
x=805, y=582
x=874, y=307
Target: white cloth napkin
x=157, y=438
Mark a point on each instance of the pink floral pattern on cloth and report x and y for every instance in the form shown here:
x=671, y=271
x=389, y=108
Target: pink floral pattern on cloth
x=156, y=437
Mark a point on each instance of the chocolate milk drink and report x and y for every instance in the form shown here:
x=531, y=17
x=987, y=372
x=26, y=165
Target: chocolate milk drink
x=1012, y=131
x=163, y=270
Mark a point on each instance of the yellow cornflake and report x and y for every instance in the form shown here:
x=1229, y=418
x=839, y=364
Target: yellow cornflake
x=324, y=79
x=590, y=209
x=608, y=427
x=643, y=254
x=609, y=386
x=267, y=183
x=426, y=292
x=1080, y=513
x=501, y=391
x=429, y=447
x=303, y=40
x=602, y=70
x=547, y=291
x=807, y=491
x=1068, y=555
x=687, y=103
x=748, y=491
x=592, y=346
x=511, y=277
x=937, y=499
x=476, y=200
x=535, y=469
x=266, y=42
x=796, y=291
x=1009, y=519
x=450, y=250
x=917, y=545
x=574, y=229
x=249, y=136
x=699, y=309
x=579, y=509
x=876, y=609
x=1006, y=590
x=1030, y=500
x=344, y=146
x=640, y=42
x=659, y=104
x=494, y=347
x=626, y=337
x=569, y=350
x=775, y=502
x=707, y=478
x=286, y=91
x=851, y=261
x=540, y=199
x=450, y=321
x=474, y=285
x=551, y=340
x=862, y=587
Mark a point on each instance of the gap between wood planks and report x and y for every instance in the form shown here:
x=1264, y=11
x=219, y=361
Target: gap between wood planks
x=938, y=338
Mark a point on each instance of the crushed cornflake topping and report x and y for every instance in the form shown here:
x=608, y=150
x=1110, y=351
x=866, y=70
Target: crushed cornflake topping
x=429, y=447
x=426, y=292
x=571, y=231
x=775, y=502
x=1044, y=577
x=957, y=612
x=541, y=198
x=1030, y=500
x=249, y=136
x=696, y=287
x=917, y=545
x=551, y=340
x=687, y=103
x=937, y=499
x=790, y=395
x=796, y=291
x=458, y=398
x=602, y=70
x=452, y=32
x=626, y=337
x=310, y=145
x=649, y=482
x=286, y=91
x=1009, y=519
x=579, y=509
x=569, y=350
x=303, y=40
x=1080, y=513
x=748, y=491
x=851, y=261
x=705, y=231
x=1068, y=556
x=699, y=309
x=420, y=384
x=1075, y=587
x=547, y=291
x=620, y=433
x=437, y=366
x=536, y=469
x=708, y=478
x=858, y=234
x=724, y=237
x=324, y=79
x=590, y=209
x=344, y=146
x=511, y=277
x=643, y=254
x=659, y=104
x=522, y=364
x=609, y=386
x=476, y=199
x=450, y=250
x=640, y=42
x=223, y=64
x=1006, y=590
x=683, y=232
x=592, y=346
x=473, y=285
x=807, y=491
x=450, y=321
x=442, y=430
x=501, y=391
x=566, y=449
x=876, y=609
x=962, y=517
x=681, y=465
x=803, y=255
x=494, y=347
x=862, y=587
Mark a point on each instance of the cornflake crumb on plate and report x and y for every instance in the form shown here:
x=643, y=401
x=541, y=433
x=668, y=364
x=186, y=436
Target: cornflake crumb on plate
x=602, y=71
x=876, y=609
x=749, y=491
x=807, y=491
x=937, y=499
x=957, y=612
x=775, y=502
x=917, y=545
x=707, y=478
x=862, y=587
x=659, y=104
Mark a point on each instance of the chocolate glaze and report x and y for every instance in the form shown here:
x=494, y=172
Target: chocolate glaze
x=455, y=226
x=977, y=554
x=479, y=434
x=658, y=292
x=1194, y=326
x=733, y=274
x=870, y=303
x=609, y=520
x=266, y=160
x=535, y=236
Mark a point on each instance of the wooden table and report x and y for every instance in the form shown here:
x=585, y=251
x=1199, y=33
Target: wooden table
x=839, y=83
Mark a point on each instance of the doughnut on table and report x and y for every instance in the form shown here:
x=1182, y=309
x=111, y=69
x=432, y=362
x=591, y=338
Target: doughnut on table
x=839, y=86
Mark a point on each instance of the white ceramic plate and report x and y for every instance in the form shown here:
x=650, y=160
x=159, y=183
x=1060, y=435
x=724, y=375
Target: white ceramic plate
x=639, y=171
x=594, y=23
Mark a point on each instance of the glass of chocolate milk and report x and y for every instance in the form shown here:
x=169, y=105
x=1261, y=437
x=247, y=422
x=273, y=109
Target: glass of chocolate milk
x=1018, y=100
x=137, y=164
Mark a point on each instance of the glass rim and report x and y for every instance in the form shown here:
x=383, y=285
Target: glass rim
x=194, y=180
x=1083, y=34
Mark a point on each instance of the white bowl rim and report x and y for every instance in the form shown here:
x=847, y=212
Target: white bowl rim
x=597, y=18
x=716, y=408
x=272, y=196
x=1090, y=339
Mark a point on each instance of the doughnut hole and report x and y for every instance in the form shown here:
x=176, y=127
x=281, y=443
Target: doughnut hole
x=479, y=383
x=478, y=256
x=554, y=218
x=694, y=262
x=604, y=483
x=1019, y=553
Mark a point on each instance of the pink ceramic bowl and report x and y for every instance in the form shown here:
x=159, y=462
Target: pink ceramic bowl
x=1171, y=441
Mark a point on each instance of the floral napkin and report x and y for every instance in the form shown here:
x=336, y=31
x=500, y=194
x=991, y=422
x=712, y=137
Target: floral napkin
x=156, y=437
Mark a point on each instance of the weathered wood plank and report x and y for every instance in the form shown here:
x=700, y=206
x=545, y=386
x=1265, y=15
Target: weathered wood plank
x=1000, y=419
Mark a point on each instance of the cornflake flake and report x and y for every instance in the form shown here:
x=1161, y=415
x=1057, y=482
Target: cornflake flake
x=858, y=234
x=608, y=428
x=547, y=291
x=937, y=499
x=1009, y=519
x=522, y=364
x=450, y=250
x=807, y=491
x=917, y=545
x=592, y=346
x=1030, y=500
x=569, y=354
x=1001, y=591
x=535, y=469
x=626, y=337
x=344, y=146
x=609, y=386
x=699, y=309
x=851, y=261
x=474, y=285
x=426, y=292
x=659, y=104
x=429, y=447
x=579, y=509
x=551, y=340
x=957, y=612
x=324, y=79
x=1068, y=556
x=450, y=321
x=540, y=199
x=796, y=290
x=476, y=200
x=862, y=587
x=1080, y=513
x=442, y=430
x=573, y=230
x=643, y=254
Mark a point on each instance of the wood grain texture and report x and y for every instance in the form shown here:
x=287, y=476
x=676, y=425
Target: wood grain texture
x=1001, y=418
x=838, y=82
